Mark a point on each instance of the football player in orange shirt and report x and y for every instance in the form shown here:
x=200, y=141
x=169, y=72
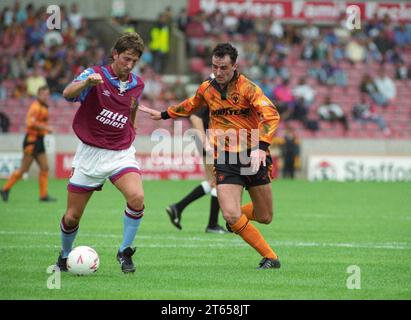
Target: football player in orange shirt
x=33, y=146
x=238, y=109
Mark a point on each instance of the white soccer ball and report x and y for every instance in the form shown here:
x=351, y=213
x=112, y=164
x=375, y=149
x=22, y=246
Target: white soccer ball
x=82, y=261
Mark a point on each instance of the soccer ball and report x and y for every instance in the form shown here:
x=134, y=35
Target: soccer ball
x=82, y=261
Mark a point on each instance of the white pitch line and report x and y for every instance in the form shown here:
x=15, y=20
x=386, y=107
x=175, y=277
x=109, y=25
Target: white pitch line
x=215, y=242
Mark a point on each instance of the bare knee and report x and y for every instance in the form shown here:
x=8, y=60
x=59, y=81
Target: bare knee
x=230, y=217
x=265, y=217
x=136, y=200
x=72, y=218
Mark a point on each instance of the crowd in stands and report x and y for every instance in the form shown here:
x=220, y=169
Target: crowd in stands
x=303, y=69
x=32, y=55
x=314, y=74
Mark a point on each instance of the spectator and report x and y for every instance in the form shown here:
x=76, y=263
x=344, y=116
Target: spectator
x=160, y=44
x=369, y=87
x=284, y=99
x=402, y=72
x=4, y=122
x=364, y=112
x=290, y=150
x=35, y=81
x=182, y=20
x=3, y=91
x=304, y=91
x=385, y=85
x=75, y=17
x=153, y=87
x=310, y=31
x=355, y=51
x=331, y=74
x=332, y=112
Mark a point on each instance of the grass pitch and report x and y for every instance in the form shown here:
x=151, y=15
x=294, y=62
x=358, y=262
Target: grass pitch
x=319, y=230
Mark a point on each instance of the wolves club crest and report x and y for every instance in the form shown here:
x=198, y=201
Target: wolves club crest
x=235, y=97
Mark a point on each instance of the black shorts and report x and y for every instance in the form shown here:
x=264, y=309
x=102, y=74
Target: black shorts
x=33, y=145
x=227, y=173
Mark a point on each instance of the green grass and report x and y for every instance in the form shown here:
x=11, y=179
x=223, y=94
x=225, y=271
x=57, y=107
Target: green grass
x=319, y=230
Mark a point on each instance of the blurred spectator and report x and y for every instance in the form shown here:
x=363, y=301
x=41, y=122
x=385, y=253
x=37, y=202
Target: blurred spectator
x=18, y=66
x=364, y=112
x=355, y=51
x=267, y=87
x=245, y=24
x=402, y=72
x=153, y=87
x=4, y=122
x=284, y=100
x=230, y=22
x=369, y=87
x=35, y=80
x=160, y=44
x=402, y=36
x=385, y=85
x=3, y=91
x=118, y=8
x=332, y=112
x=276, y=29
x=75, y=17
x=290, y=151
x=331, y=74
x=176, y=91
x=304, y=91
x=182, y=19
x=310, y=31
x=20, y=88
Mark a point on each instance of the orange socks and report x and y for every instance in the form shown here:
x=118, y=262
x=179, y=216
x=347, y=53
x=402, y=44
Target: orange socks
x=248, y=211
x=16, y=176
x=43, y=183
x=253, y=237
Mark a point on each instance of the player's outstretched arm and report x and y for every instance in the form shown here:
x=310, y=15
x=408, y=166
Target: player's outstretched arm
x=154, y=114
x=75, y=88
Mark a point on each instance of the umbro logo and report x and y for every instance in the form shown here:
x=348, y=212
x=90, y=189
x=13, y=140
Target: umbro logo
x=106, y=93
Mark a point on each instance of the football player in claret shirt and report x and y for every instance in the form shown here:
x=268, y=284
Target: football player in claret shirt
x=104, y=123
x=33, y=146
x=236, y=105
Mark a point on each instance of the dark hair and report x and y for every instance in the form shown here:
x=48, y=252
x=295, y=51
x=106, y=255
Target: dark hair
x=42, y=88
x=223, y=49
x=129, y=41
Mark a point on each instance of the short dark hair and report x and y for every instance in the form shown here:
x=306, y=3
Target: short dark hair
x=42, y=88
x=223, y=49
x=129, y=41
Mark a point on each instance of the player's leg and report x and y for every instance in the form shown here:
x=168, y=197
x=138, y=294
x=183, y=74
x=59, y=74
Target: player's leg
x=261, y=196
x=213, y=226
x=17, y=175
x=42, y=162
x=131, y=186
x=83, y=181
x=76, y=203
x=176, y=209
x=262, y=203
x=248, y=208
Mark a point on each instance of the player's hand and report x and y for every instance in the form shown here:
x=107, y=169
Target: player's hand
x=94, y=79
x=154, y=114
x=258, y=156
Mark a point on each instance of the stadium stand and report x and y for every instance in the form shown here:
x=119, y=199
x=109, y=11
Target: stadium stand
x=267, y=50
